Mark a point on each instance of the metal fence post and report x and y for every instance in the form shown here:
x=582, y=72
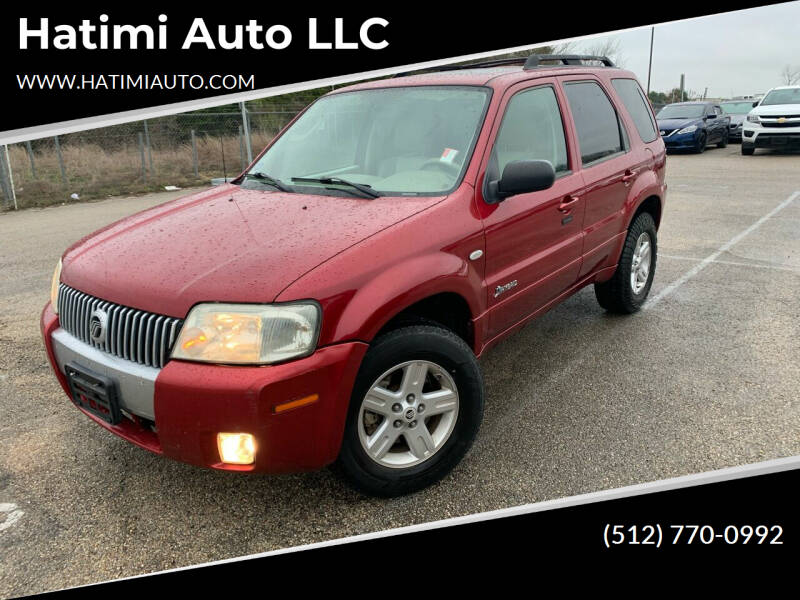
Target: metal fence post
x=241, y=148
x=141, y=152
x=61, y=161
x=7, y=180
x=30, y=156
x=246, y=127
x=194, y=155
x=149, y=149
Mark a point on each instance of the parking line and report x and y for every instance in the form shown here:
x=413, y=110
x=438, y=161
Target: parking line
x=722, y=249
x=730, y=262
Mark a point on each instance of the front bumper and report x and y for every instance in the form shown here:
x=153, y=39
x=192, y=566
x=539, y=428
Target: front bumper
x=178, y=410
x=683, y=141
x=758, y=136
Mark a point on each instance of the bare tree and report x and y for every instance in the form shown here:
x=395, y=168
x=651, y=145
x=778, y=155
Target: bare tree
x=790, y=75
x=565, y=48
x=609, y=47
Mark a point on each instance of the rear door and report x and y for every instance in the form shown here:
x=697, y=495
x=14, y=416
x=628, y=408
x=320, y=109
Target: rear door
x=607, y=168
x=533, y=241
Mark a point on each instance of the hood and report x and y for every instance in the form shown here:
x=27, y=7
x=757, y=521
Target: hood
x=670, y=124
x=777, y=110
x=226, y=244
x=737, y=119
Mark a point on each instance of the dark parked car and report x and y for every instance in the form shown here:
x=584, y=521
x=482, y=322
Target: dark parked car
x=693, y=126
x=737, y=110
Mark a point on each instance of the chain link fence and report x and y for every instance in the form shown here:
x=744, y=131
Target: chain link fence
x=183, y=150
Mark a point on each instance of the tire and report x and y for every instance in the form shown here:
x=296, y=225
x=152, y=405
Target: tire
x=700, y=147
x=451, y=425
x=724, y=142
x=747, y=150
x=618, y=295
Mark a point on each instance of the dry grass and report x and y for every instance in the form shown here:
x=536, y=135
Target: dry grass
x=93, y=172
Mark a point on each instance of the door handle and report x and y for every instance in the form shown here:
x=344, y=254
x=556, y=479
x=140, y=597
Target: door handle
x=567, y=203
x=628, y=176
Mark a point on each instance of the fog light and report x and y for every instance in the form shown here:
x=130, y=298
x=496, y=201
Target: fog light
x=236, y=448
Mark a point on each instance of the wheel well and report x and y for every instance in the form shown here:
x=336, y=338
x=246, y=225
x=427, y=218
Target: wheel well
x=650, y=205
x=447, y=309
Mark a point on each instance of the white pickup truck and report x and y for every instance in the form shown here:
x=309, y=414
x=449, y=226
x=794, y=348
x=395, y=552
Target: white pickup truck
x=774, y=121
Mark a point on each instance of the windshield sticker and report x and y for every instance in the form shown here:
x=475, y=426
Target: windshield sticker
x=449, y=155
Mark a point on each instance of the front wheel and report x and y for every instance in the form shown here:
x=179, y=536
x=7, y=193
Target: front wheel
x=723, y=143
x=747, y=150
x=627, y=289
x=416, y=408
x=700, y=145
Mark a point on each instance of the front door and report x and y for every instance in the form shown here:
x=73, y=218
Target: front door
x=533, y=241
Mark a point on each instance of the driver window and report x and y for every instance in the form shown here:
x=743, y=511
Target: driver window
x=531, y=130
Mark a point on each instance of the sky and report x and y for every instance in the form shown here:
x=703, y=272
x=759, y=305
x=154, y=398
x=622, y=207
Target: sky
x=733, y=54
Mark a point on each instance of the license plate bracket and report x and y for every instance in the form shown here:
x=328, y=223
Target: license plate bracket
x=94, y=393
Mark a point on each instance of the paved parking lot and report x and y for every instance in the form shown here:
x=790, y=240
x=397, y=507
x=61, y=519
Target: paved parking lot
x=705, y=377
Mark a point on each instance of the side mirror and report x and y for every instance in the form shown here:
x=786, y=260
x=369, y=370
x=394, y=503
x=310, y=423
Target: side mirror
x=755, y=103
x=712, y=116
x=521, y=177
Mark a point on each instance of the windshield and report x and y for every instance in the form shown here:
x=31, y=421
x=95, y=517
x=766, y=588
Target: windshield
x=737, y=108
x=681, y=111
x=397, y=141
x=785, y=96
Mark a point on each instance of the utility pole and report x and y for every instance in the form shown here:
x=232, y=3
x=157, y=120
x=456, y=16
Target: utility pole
x=650, y=64
x=683, y=81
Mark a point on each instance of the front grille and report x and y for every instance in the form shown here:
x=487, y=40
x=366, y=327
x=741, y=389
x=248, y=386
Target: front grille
x=784, y=124
x=130, y=333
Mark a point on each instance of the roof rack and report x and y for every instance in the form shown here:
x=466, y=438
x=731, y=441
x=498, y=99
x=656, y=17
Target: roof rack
x=534, y=60
x=528, y=62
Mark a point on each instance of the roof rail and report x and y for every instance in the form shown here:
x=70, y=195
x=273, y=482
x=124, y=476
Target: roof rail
x=534, y=60
x=527, y=62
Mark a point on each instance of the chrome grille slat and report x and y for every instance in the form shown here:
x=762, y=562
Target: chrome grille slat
x=131, y=334
x=154, y=349
x=147, y=335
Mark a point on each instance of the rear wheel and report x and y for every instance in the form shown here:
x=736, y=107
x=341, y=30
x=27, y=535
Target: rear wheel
x=627, y=290
x=723, y=143
x=416, y=407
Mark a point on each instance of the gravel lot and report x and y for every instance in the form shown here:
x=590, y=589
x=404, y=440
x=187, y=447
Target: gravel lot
x=707, y=376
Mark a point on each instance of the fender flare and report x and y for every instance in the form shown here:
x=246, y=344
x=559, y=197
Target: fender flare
x=645, y=187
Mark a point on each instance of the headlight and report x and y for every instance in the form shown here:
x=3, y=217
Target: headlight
x=688, y=129
x=753, y=119
x=248, y=333
x=54, y=287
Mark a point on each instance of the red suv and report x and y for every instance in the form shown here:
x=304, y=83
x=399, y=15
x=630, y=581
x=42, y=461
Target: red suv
x=330, y=303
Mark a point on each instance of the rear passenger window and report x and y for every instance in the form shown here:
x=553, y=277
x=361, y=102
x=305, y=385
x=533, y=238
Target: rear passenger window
x=633, y=98
x=600, y=132
x=532, y=130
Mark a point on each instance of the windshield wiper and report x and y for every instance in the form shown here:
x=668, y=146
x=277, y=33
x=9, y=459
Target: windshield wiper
x=276, y=183
x=361, y=187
